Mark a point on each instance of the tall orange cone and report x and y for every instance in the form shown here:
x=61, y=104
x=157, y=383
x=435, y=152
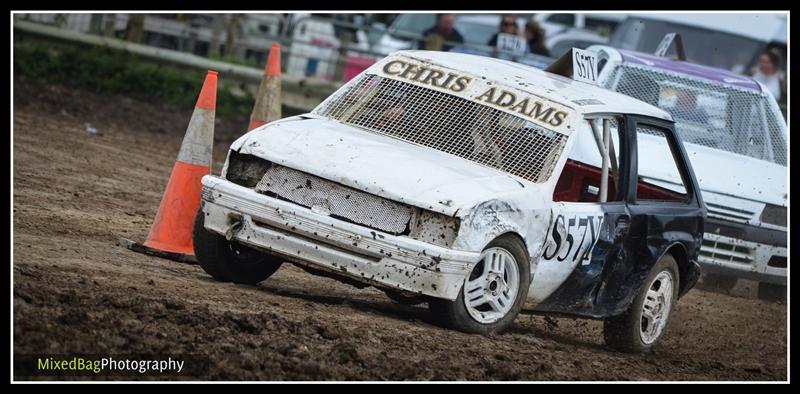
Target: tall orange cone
x=171, y=233
x=268, y=98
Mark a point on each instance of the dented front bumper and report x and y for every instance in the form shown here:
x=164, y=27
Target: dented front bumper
x=309, y=237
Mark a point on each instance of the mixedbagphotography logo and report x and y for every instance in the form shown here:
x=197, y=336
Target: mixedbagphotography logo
x=31, y=366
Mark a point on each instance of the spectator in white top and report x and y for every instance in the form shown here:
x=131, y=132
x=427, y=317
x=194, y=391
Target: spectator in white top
x=768, y=72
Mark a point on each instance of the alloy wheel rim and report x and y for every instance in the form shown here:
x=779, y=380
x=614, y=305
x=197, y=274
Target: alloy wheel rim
x=491, y=288
x=656, y=307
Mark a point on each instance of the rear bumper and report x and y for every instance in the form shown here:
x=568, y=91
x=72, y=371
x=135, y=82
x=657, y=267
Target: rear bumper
x=743, y=259
x=307, y=237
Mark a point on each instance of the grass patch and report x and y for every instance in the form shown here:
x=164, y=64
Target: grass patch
x=237, y=60
x=105, y=70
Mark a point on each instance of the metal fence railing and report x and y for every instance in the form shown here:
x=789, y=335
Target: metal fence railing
x=312, y=46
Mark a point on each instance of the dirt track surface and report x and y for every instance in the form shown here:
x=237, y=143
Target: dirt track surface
x=77, y=292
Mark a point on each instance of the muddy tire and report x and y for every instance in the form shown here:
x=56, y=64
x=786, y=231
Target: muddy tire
x=771, y=292
x=230, y=261
x=501, y=278
x=640, y=328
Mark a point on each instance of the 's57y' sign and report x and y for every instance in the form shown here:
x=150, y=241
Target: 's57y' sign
x=572, y=238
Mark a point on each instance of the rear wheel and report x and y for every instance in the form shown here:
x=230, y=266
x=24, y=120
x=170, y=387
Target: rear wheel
x=229, y=261
x=645, y=322
x=493, y=293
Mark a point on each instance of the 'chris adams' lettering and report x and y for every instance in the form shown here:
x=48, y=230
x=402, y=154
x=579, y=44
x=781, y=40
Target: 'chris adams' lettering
x=524, y=105
x=427, y=76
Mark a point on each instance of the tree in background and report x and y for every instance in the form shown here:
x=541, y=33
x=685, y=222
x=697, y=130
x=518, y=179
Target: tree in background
x=217, y=28
x=234, y=31
x=134, y=31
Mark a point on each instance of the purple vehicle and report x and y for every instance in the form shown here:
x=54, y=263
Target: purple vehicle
x=736, y=138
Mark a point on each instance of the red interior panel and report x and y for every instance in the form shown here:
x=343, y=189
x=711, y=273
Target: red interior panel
x=572, y=186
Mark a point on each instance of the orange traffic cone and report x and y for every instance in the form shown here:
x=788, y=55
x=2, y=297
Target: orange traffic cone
x=268, y=98
x=171, y=233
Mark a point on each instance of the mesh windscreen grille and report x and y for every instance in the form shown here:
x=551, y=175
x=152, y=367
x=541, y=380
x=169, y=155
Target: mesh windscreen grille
x=711, y=114
x=449, y=124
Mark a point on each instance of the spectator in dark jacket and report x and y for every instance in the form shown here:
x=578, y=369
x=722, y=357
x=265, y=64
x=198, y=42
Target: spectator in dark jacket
x=534, y=35
x=443, y=34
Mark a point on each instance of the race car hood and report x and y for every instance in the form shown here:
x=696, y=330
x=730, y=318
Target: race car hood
x=723, y=172
x=379, y=164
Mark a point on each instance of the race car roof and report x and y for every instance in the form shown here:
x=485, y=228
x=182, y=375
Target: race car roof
x=584, y=98
x=719, y=75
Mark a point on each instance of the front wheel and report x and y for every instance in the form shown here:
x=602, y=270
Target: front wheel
x=644, y=323
x=493, y=293
x=229, y=261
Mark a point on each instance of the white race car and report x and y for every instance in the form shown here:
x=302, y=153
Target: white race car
x=462, y=181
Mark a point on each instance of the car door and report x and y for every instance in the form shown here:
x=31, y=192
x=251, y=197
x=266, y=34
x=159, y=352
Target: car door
x=664, y=215
x=587, y=234
x=628, y=233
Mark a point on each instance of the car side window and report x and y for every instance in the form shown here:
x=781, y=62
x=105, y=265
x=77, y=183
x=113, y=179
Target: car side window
x=581, y=179
x=659, y=177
